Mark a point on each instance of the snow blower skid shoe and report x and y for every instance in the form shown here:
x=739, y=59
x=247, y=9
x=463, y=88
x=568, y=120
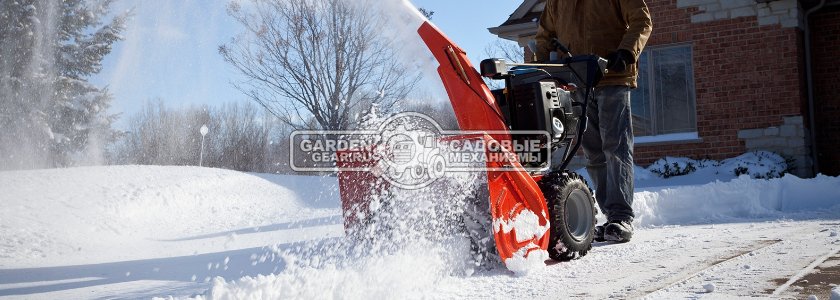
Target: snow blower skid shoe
x=537, y=211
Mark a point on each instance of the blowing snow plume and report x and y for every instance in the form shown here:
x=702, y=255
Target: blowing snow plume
x=50, y=115
x=413, y=238
x=27, y=69
x=411, y=241
x=416, y=242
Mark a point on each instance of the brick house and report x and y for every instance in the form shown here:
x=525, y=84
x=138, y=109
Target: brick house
x=723, y=77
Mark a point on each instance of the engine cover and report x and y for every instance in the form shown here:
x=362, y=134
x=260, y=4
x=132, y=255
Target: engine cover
x=533, y=103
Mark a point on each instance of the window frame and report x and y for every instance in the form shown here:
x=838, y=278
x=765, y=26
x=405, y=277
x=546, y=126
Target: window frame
x=653, y=98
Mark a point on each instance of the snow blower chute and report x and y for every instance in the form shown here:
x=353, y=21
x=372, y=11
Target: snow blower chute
x=549, y=98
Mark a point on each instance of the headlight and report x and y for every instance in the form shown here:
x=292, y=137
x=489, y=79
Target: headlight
x=558, y=127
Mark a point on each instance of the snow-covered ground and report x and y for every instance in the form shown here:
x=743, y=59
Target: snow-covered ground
x=142, y=232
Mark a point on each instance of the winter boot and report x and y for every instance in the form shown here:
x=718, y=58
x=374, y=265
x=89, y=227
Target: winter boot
x=599, y=232
x=620, y=231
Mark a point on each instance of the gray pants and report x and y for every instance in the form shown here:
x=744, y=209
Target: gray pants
x=608, y=145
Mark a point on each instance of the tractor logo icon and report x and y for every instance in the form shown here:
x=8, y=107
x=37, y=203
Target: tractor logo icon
x=415, y=155
x=411, y=155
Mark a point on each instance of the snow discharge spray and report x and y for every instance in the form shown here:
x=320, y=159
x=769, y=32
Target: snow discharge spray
x=417, y=238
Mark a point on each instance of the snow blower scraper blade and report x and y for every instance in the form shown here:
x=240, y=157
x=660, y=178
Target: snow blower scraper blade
x=517, y=206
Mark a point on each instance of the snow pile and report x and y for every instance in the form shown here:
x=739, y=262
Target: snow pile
x=741, y=198
x=680, y=171
x=758, y=164
x=127, y=207
x=675, y=166
x=527, y=260
x=526, y=225
x=835, y=293
x=681, y=191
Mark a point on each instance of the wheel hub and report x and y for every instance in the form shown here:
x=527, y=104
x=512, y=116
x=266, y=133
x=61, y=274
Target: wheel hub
x=579, y=215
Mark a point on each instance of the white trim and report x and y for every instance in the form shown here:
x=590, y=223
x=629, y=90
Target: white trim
x=516, y=31
x=540, y=7
x=667, y=138
x=523, y=9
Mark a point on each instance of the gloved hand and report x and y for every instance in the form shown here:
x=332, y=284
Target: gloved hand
x=619, y=60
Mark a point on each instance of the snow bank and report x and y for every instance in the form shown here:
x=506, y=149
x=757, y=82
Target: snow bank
x=757, y=164
x=683, y=191
x=679, y=171
x=741, y=198
x=48, y=216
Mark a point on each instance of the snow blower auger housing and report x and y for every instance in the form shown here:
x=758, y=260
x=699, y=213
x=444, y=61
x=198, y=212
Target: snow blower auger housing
x=549, y=98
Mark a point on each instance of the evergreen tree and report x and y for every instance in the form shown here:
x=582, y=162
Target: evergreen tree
x=50, y=115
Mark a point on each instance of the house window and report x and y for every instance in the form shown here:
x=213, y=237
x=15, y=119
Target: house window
x=663, y=104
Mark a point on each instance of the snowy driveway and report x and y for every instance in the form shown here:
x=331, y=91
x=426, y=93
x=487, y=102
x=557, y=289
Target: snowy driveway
x=141, y=232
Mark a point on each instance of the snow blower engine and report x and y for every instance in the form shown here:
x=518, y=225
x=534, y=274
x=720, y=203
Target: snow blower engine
x=533, y=215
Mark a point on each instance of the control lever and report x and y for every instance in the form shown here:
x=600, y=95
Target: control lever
x=559, y=46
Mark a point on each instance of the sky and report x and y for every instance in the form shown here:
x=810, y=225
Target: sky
x=170, y=51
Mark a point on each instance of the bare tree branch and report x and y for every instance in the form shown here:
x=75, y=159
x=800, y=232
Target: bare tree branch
x=321, y=60
x=501, y=48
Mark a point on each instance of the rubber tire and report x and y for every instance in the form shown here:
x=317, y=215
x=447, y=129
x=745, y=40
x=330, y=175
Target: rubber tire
x=435, y=162
x=557, y=187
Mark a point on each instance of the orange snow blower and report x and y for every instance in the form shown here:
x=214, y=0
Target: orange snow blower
x=548, y=210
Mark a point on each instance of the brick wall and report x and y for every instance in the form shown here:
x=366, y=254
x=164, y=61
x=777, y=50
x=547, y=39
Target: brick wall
x=747, y=75
x=790, y=139
x=784, y=12
x=826, y=61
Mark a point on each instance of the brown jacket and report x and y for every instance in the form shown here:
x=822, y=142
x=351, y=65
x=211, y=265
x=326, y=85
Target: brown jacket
x=596, y=27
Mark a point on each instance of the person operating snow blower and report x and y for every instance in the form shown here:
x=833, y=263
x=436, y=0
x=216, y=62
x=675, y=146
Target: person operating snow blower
x=617, y=30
